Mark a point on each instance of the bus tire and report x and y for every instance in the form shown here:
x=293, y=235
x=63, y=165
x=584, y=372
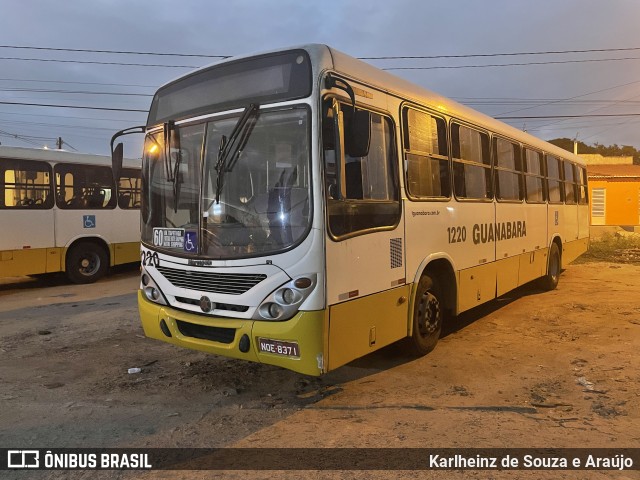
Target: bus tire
x=428, y=312
x=550, y=280
x=86, y=262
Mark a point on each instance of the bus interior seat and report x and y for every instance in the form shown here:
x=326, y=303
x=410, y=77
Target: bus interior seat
x=124, y=200
x=353, y=179
x=95, y=200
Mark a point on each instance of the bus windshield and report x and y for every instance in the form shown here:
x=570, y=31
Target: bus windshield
x=263, y=204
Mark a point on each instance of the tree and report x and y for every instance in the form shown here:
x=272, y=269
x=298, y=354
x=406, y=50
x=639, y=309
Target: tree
x=606, y=151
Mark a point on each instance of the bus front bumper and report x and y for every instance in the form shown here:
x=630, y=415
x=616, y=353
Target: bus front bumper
x=296, y=344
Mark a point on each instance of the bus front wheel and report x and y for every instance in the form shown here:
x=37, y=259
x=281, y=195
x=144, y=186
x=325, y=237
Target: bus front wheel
x=550, y=280
x=428, y=312
x=86, y=263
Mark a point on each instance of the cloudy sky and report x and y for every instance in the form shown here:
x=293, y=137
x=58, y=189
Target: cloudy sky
x=599, y=88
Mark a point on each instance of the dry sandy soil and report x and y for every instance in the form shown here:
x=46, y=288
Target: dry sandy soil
x=532, y=369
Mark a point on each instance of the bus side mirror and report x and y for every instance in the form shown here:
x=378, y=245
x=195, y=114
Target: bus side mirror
x=116, y=162
x=117, y=153
x=357, y=133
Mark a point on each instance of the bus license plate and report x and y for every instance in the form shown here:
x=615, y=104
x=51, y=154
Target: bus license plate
x=277, y=347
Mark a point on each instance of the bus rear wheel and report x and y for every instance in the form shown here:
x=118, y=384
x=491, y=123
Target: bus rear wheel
x=428, y=313
x=550, y=280
x=86, y=263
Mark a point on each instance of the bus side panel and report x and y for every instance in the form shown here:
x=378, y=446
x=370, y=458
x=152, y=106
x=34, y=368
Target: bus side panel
x=364, y=325
x=363, y=265
x=24, y=245
x=521, y=231
x=129, y=218
x=583, y=220
x=73, y=224
x=23, y=262
x=555, y=222
x=571, y=223
x=476, y=286
x=28, y=229
x=507, y=274
x=532, y=265
x=572, y=250
x=126, y=253
x=54, y=260
x=566, y=227
x=510, y=240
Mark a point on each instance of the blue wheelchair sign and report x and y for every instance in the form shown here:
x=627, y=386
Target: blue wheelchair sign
x=190, y=242
x=89, y=221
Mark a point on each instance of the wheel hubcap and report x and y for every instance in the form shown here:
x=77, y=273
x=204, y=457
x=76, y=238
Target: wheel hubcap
x=89, y=265
x=429, y=318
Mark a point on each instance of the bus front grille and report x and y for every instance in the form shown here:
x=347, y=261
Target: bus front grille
x=227, y=283
x=203, y=332
x=219, y=306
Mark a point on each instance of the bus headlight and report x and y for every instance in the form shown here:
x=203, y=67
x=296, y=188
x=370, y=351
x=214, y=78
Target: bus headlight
x=284, y=302
x=151, y=290
x=288, y=296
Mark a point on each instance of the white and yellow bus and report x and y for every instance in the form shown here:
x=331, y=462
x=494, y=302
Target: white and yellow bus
x=302, y=208
x=61, y=212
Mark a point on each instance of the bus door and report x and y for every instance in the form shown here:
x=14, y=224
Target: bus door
x=27, y=199
x=367, y=293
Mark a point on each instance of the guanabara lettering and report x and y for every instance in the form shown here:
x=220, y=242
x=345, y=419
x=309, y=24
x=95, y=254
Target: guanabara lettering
x=492, y=232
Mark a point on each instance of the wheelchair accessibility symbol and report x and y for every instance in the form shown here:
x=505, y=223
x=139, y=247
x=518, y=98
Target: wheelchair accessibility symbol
x=89, y=221
x=190, y=242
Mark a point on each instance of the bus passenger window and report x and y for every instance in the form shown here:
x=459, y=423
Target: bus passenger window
x=569, y=183
x=84, y=186
x=554, y=181
x=583, y=192
x=471, y=163
x=534, y=181
x=129, y=189
x=425, y=146
x=25, y=184
x=508, y=168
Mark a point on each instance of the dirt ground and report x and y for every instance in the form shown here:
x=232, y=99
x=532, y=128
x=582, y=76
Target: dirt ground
x=532, y=369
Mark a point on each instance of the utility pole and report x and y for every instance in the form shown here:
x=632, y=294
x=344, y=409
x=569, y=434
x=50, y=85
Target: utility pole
x=575, y=144
x=59, y=143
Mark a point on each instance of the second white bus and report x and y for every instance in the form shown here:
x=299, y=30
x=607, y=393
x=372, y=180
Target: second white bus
x=62, y=212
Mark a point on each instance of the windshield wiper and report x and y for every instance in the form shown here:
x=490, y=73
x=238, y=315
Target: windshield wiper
x=172, y=171
x=168, y=129
x=232, y=147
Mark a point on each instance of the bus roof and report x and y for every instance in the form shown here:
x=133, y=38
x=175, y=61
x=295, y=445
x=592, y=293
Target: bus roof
x=324, y=57
x=57, y=156
x=399, y=87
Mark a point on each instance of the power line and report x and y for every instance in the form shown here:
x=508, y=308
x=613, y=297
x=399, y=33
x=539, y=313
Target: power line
x=119, y=120
x=75, y=106
x=81, y=92
x=56, y=125
x=389, y=57
x=573, y=98
x=78, y=83
x=439, y=67
x=23, y=138
x=511, y=54
x=86, y=50
x=570, y=116
x=98, y=63
x=556, y=62
x=538, y=101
